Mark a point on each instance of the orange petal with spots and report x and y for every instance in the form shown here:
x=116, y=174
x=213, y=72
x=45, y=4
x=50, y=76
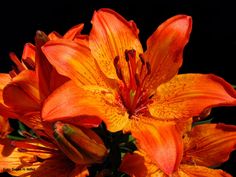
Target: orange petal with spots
x=110, y=36
x=210, y=144
x=136, y=165
x=165, y=49
x=187, y=95
x=22, y=93
x=161, y=142
x=4, y=109
x=191, y=171
x=74, y=61
x=91, y=101
x=13, y=158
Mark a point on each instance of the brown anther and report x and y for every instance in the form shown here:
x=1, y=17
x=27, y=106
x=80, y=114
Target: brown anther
x=142, y=59
x=29, y=63
x=137, y=81
x=17, y=62
x=150, y=96
x=117, y=67
x=132, y=53
x=127, y=55
x=148, y=66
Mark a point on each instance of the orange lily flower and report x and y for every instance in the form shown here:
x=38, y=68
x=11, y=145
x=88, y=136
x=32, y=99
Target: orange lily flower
x=207, y=145
x=132, y=90
x=24, y=95
x=38, y=157
x=26, y=91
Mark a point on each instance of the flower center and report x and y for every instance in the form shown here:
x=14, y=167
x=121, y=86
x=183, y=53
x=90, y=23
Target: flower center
x=132, y=86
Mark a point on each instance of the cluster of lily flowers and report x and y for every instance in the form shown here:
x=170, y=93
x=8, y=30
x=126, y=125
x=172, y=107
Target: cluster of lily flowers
x=99, y=105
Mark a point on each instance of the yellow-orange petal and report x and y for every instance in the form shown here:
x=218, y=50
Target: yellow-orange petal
x=110, y=36
x=87, y=101
x=74, y=61
x=161, y=142
x=199, y=171
x=73, y=32
x=14, y=160
x=165, y=49
x=187, y=95
x=22, y=94
x=210, y=144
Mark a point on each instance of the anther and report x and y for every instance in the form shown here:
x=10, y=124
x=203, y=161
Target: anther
x=137, y=81
x=148, y=66
x=127, y=55
x=142, y=59
x=117, y=67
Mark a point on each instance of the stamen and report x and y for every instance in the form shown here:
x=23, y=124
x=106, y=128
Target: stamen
x=17, y=62
x=126, y=55
x=148, y=66
x=132, y=91
x=29, y=63
x=137, y=79
x=117, y=67
x=142, y=59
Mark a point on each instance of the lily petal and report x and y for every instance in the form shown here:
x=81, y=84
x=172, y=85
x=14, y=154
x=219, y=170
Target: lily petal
x=88, y=101
x=74, y=61
x=22, y=93
x=32, y=120
x=59, y=166
x=4, y=109
x=54, y=36
x=13, y=160
x=161, y=142
x=210, y=144
x=4, y=80
x=73, y=32
x=187, y=95
x=28, y=56
x=79, y=171
x=137, y=165
x=190, y=170
x=165, y=49
x=110, y=36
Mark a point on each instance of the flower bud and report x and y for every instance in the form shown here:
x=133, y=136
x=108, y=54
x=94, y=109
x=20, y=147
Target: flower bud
x=81, y=145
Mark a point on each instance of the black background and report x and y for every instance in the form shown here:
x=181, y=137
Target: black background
x=212, y=46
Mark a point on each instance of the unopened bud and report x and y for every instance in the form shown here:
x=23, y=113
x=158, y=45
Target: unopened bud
x=80, y=147
x=40, y=38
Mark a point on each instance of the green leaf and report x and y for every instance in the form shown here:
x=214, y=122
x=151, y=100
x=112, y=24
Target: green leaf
x=202, y=122
x=15, y=137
